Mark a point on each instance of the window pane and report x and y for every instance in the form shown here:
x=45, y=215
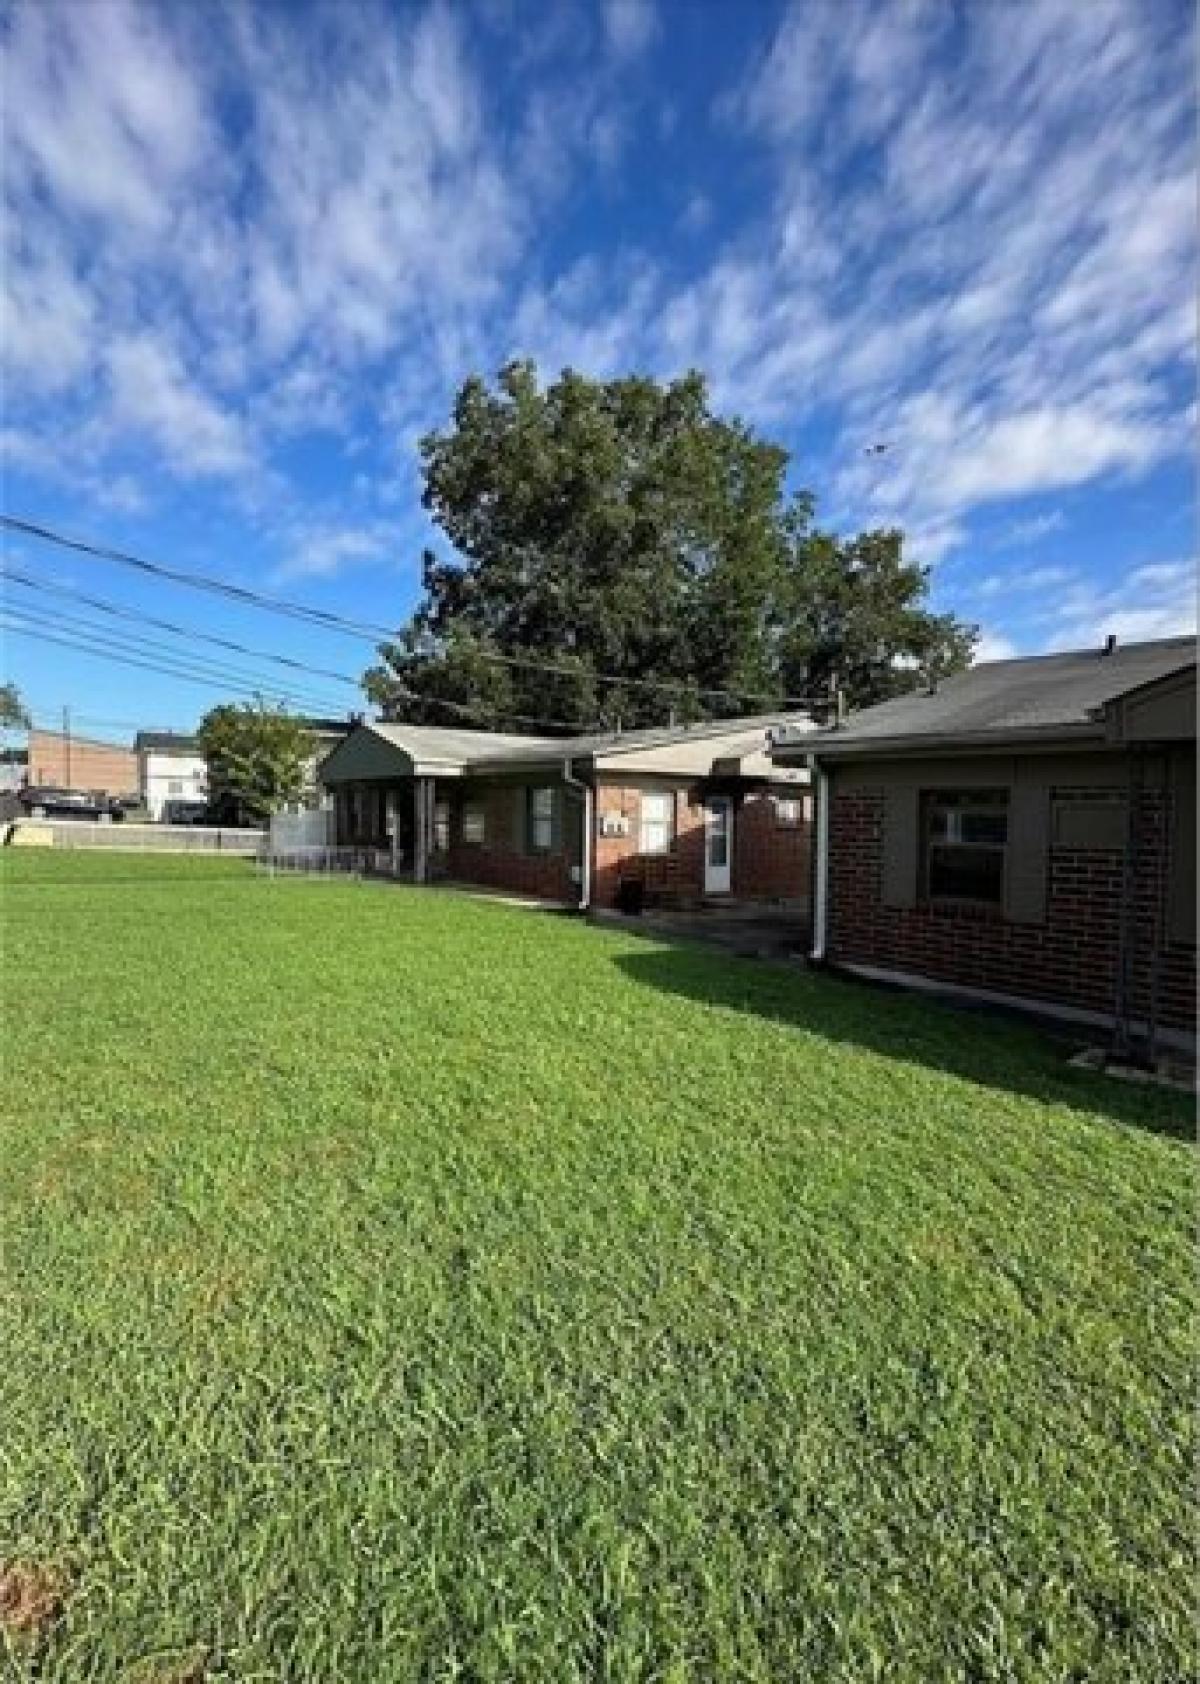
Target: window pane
x=473, y=823
x=789, y=810
x=541, y=819
x=656, y=824
x=971, y=873
x=441, y=827
x=982, y=826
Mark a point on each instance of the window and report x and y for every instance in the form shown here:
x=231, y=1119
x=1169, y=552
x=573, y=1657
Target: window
x=966, y=838
x=174, y=786
x=541, y=820
x=441, y=827
x=658, y=813
x=474, y=825
x=789, y=811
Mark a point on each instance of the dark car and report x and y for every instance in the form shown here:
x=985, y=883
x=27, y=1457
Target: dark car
x=50, y=801
x=185, y=812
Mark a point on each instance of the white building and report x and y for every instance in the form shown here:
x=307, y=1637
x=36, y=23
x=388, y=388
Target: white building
x=170, y=768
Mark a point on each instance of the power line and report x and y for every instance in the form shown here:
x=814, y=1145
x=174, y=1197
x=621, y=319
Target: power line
x=360, y=628
x=117, y=611
x=92, y=643
x=120, y=657
x=217, y=673
x=463, y=709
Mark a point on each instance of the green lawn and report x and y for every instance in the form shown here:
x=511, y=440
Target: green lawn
x=398, y=1286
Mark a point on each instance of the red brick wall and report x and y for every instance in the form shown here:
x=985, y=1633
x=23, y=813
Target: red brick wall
x=678, y=875
x=86, y=765
x=497, y=862
x=769, y=860
x=1070, y=959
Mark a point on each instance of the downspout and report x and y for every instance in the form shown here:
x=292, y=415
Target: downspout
x=1122, y=1041
x=585, y=857
x=820, y=930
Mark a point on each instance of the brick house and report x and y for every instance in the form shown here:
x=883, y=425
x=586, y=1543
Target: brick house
x=687, y=814
x=73, y=762
x=1025, y=833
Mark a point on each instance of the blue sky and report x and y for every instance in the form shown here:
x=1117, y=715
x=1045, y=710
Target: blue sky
x=250, y=251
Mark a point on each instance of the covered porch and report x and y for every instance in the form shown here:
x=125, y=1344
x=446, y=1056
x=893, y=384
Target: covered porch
x=389, y=806
x=400, y=828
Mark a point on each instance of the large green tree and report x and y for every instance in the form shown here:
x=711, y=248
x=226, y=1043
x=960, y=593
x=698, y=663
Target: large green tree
x=258, y=760
x=621, y=528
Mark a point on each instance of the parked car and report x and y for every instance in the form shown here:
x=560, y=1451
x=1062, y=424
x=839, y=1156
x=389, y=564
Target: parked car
x=185, y=812
x=49, y=801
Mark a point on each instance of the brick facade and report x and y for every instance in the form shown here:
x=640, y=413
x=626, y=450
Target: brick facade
x=770, y=859
x=498, y=862
x=80, y=763
x=1070, y=959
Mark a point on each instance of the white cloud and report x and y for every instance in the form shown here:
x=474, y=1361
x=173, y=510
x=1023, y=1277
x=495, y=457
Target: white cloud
x=630, y=25
x=102, y=110
x=320, y=548
x=1034, y=528
x=1047, y=446
x=1019, y=581
x=1157, y=599
x=979, y=245
x=994, y=646
x=152, y=394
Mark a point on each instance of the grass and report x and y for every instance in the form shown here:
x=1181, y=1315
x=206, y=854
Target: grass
x=403, y=1287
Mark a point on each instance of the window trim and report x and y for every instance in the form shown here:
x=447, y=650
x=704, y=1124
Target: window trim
x=665, y=824
x=441, y=825
x=991, y=799
x=470, y=810
x=534, y=819
x=798, y=802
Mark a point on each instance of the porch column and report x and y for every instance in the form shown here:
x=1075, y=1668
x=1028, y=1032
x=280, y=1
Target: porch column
x=393, y=824
x=422, y=816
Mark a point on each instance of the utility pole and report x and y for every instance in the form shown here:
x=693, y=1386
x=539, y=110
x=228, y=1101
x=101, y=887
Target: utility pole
x=67, y=744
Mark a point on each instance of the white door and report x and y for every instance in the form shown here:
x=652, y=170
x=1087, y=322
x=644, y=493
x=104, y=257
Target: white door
x=718, y=844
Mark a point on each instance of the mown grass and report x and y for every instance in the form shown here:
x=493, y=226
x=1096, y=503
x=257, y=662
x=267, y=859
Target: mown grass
x=401, y=1287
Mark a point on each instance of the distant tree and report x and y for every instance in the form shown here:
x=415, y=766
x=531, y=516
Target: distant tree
x=14, y=715
x=621, y=529
x=257, y=761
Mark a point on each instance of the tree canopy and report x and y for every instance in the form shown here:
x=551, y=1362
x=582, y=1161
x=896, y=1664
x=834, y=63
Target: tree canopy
x=620, y=529
x=14, y=715
x=257, y=759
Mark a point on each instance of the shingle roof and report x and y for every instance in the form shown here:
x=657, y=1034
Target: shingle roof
x=167, y=742
x=1034, y=695
x=431, y=743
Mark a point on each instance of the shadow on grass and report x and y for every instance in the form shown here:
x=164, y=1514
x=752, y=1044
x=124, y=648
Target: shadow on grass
x=979, y=1045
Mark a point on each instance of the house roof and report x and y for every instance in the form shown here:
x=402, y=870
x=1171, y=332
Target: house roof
x=166, y=742
x=1039, y=696
x=453, y=749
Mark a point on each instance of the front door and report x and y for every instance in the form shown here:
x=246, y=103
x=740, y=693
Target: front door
x=718, y=844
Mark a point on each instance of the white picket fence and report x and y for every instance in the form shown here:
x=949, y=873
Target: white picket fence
x=137, y=838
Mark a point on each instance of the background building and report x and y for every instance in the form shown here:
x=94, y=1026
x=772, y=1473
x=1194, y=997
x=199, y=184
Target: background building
x=170, y=767
x=62, y=758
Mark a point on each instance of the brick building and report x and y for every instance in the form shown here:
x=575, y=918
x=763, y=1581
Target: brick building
x=1027, y=833
x=71, y=762
x=688, y=814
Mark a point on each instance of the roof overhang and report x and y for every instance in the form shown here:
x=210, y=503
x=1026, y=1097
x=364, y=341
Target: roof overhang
x=1031, y=738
